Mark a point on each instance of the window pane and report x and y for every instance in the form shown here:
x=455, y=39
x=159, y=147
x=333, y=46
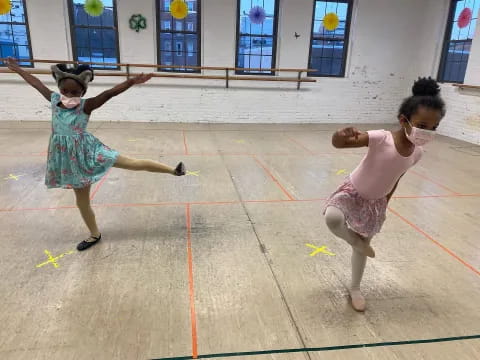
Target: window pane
x=267, y=28
x=266, y=62
x=95, y=37
x=191, y=22
x=17, y=12
x=20, y=34
x=109, y=38
x=80, y=17
x=256, y=41
x=267, y=46
x=5, y=18
x=165, y=6
x=81, y=37
x=165, y=21
x=457, y=47
x=14, y=37
x=179, y=58
x=245, y=45
x=166, y=58
x=192, y=59
x=83, y=54
x=472, y=27
x=107, y=18
x=255, y=62
x=23, y=52
x=97, y=55
x=166, y=42
x=327, y=51
x=191, y=41
x=178, y=39
x=110, y=55
x=178, y=25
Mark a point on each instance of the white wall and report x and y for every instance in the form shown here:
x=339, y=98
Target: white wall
x=49, y=30
x=137, y=47
x=391, y=43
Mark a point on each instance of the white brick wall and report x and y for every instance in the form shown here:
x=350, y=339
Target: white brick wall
x=463, y=114
x=391, y=43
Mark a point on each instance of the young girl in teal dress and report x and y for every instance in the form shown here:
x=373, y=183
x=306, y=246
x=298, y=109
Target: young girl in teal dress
x=77, y=159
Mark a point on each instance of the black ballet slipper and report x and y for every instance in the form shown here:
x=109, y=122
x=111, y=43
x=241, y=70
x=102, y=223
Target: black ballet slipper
x=84, y=245
x=180, y=170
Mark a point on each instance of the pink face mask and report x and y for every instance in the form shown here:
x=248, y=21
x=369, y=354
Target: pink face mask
x=419, y=136
x=70, y=103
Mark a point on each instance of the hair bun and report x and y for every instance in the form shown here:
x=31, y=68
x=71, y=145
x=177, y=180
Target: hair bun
x=425, y=87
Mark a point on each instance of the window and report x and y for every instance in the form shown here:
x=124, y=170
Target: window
x=256, y=43
x=328, y=49
x=458, y=40
x=179, y=40
x=94, y=38
x=14, y=34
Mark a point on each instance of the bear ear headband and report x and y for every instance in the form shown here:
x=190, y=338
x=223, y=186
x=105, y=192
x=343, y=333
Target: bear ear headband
x=83, y=74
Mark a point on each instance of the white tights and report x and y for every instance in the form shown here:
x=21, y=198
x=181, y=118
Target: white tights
x=335, y=220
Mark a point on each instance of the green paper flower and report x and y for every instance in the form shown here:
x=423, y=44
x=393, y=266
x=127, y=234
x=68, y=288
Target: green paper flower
x=93, y=7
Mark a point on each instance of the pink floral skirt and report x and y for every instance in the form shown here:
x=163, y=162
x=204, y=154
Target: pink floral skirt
x=363, y=216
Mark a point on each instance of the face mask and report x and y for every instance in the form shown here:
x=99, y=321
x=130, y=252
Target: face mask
x=419, y=136
x=70, y=103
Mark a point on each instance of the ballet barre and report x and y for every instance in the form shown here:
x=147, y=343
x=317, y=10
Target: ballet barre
x=194, y=73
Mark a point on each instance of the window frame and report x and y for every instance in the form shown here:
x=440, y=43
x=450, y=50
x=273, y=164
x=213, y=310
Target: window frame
x=274, y=42
x=346, y=39
x=27, y=27
x=172, y=31
x=74, y=40
x=446, y=44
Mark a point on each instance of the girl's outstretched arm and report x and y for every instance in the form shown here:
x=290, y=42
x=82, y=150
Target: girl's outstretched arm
x=97, y=101
x=29, y=78
x=349, y=137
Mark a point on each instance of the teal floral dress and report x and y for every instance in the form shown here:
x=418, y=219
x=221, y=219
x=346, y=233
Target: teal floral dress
x=76, y=158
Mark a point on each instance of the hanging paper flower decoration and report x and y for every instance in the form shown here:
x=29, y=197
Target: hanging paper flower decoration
x=330, y=21
x=257, y=15
x=464, y=18
x=93, y=7
x=179, y=9
x=5, y=7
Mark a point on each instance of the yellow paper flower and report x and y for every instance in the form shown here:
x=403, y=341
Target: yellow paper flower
x=5, y=7
x=331, y=21
x=179, y=9
x=93, y=7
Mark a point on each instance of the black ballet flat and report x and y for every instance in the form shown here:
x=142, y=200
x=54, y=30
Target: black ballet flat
x=180, y=170
x=84, y=245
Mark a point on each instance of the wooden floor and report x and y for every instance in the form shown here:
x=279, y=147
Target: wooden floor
x=216, y=264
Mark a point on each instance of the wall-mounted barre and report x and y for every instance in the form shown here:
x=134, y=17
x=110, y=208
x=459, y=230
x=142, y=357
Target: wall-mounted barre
x=189, y=75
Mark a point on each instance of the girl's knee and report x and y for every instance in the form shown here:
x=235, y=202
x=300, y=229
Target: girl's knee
x=334, y=217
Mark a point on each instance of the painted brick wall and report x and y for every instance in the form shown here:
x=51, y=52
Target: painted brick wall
x=463, y=114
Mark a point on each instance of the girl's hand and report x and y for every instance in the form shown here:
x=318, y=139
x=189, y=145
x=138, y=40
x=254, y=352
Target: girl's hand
x=141, y=79
x=13, y=65
x=349, y=137
x=349, y=132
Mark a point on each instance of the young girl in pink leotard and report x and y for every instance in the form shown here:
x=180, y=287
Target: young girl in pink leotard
x=356, y=211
